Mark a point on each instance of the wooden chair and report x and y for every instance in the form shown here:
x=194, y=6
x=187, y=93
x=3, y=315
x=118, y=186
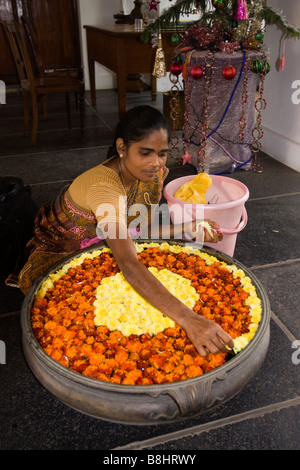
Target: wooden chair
x=37, y=86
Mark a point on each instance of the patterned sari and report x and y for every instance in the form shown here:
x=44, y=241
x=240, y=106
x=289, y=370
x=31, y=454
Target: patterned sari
x=60, y=228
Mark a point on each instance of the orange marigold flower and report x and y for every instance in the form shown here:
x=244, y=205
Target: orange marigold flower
x=188, y=360
x=128, y=365
x=96, y=359
x=121, y=357
x=56, y=354
x=132, y=376
x=81, y=335
x=71, y=352
x=159, y=377
x=193, y=371
x=115, y=379
x=144, y=381
x=50, y=325
x=90, y=339
x=90, y=371
x=99, y=348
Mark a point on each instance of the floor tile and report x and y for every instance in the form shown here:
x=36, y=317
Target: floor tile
x=281, y=282
x=59, y=165
x=263, y=433
x=59, y=140
x=275, y=179
x=272, y=231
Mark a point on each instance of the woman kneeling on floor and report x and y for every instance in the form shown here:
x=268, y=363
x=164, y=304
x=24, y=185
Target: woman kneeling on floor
x=99, y=202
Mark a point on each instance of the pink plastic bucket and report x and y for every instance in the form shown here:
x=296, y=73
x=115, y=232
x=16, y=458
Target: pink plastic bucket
x=225, y=205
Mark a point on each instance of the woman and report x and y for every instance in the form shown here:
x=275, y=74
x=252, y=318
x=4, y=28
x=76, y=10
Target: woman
x=134, y=174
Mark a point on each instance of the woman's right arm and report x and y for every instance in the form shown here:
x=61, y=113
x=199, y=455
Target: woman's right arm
x=206, y=335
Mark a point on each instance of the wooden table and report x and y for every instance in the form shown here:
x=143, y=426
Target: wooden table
x=120, y=49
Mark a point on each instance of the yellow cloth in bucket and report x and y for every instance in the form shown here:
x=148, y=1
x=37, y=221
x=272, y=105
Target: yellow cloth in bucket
x=194, y=191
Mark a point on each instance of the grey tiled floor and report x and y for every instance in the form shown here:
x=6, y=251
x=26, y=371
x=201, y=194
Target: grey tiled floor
x=265, y=414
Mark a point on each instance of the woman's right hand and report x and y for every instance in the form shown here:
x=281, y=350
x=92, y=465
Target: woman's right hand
x=206, y=335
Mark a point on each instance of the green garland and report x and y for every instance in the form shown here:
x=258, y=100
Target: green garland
x=170, y=19
x=272, y=17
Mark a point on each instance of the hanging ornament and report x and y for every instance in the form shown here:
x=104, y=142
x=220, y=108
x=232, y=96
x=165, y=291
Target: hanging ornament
x=153, y=5
x=241, y=10
x=159, y=63
x=259, y=36
x=176, y=68
x=243, y=117
x=204, y=130
x=257, y=66
x=282, y=58
x=196, y=72
x=186, y=158
x=257, y=132
x=267, y=68
x=175, y=39
x=229, y=72
x=174, y=106
x=219, y=4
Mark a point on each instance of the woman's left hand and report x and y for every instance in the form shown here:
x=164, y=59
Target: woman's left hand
x=212, y=232
x=206, y=231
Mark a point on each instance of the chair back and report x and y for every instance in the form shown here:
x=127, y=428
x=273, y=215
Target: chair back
x=20, y=51
x=32, y=47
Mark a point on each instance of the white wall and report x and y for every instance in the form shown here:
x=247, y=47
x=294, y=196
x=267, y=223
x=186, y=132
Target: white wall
x=101, y=12
x=93, y=13
x=281, y=118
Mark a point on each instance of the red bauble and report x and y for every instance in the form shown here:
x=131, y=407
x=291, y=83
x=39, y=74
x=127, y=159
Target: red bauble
x=197, y=72
x=229, y=72
x=176, y=68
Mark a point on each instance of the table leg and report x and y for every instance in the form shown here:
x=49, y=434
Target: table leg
x=121, y=78
x=153, y=88
x=91, y=64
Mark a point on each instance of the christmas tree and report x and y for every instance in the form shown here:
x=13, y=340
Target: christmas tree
x=238, y=21
x=221, y=59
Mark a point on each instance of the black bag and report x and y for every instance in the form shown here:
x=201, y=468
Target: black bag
x=17, y=213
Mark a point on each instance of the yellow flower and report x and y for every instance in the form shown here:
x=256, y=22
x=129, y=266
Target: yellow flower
x=117, y=300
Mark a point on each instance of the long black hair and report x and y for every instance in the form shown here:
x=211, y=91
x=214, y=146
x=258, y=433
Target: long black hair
x=136, y=124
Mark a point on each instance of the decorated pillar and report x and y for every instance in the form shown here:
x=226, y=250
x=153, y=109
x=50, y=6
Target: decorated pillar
x=220, y=103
